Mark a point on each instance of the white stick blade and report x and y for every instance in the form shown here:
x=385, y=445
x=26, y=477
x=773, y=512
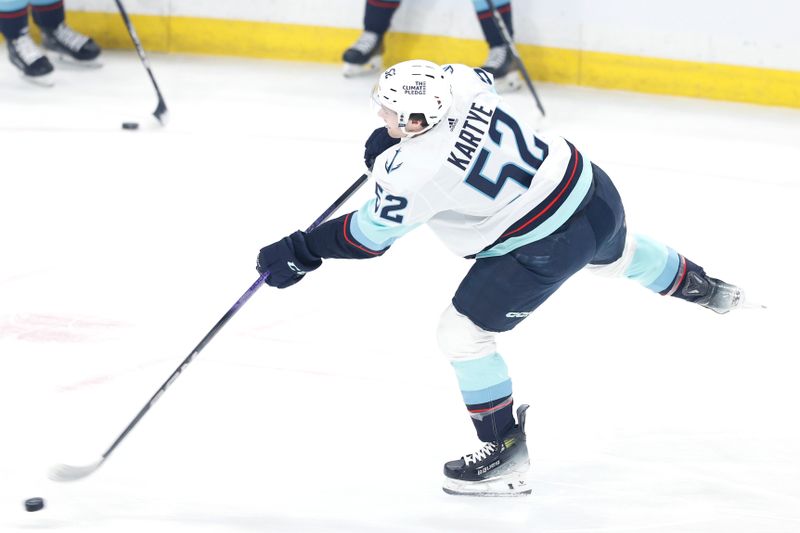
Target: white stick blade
x=72, y=473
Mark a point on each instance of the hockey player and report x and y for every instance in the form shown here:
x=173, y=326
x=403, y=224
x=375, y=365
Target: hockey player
x=56, y=37
x=529, y=210
x=366, y=54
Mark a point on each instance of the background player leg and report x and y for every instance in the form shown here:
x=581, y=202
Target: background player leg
x=366, y=54
x=22, y=51
x=500, y=62
x=59, y=38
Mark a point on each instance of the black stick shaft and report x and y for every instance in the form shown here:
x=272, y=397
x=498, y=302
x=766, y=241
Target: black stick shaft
x=161, y=108
x=224, y=320
x=501, y=25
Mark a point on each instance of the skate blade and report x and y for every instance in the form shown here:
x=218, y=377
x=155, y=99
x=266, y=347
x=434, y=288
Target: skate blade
x=746, y=303
x=48, y=80
x=502, y=487
x=509, y=83
x=352, y=70
x=65, y=60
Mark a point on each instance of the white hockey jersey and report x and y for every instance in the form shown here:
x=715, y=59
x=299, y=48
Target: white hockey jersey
x=483, y=181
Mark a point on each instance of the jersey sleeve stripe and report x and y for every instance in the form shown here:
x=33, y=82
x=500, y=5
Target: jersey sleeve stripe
x=351, y=240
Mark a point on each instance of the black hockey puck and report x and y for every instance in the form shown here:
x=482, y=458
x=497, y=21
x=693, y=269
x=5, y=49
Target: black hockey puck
x=130, y=125
x=34, y=504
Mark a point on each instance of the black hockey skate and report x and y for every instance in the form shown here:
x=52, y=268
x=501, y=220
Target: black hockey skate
x=502, y=66
x=365, y=56
x=714, y=294
x=71, y=46
x=28, y=57
x=497, y=469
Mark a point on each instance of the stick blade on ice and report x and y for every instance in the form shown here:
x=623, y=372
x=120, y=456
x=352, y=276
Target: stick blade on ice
x=161, y=113
x=72, y=473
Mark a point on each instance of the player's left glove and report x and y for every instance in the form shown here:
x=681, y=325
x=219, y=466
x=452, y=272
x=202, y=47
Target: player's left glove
x=377, y=143
x=287, y=260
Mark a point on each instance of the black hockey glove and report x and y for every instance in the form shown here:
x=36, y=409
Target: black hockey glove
x=377, y=143
x=287, y=260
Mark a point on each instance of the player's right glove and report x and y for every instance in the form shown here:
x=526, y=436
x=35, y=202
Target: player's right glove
x=287, y=260
x=377, y=143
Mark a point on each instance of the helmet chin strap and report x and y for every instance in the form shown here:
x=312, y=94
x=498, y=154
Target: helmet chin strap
x=409, y=134
x=402, y=123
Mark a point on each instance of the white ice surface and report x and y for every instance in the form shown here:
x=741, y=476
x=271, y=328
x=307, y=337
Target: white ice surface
x=327, y=407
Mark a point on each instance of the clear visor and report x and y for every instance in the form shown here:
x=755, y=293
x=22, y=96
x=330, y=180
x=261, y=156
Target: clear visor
x=377, y=102
x=374, y=99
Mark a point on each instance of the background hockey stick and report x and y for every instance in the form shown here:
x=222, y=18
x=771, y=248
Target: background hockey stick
x=161, y=110
x=71, y=473
x=498, y=20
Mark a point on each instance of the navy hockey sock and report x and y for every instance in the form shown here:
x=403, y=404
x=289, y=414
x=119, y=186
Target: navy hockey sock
x=681, y=287
x=488, y=25
x=493, y=419
x=13, y=22
x=378, y=15
x=486, y=390
x=49, y=16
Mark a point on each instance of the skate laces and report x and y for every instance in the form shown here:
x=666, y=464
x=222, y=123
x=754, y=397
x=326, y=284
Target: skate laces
x=497, y=56
x=26, y=48
x=69, y=37
x=366, y=42
x=487, y=450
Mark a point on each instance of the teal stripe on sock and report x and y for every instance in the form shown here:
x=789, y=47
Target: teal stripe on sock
x=7, y=6
x=483, y=380
x=653, y=265
x=475, y=397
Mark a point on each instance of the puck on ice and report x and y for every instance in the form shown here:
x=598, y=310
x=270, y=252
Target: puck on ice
x=130, y=125
x=34, y=504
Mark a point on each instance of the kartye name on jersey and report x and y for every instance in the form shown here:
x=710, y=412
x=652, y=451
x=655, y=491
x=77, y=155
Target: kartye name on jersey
x=475, y=127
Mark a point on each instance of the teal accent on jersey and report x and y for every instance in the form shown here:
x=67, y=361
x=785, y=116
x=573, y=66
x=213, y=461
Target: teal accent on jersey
x=483, y=5
x=371, y=232
x=555, y=221
x=653, y=264
x=43, y=3
x=483, y=380
x=7, y=6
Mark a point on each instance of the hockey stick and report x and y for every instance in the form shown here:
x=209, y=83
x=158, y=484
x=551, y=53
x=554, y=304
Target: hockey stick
x=72, y=473
x=161, y=110
x=498, y=20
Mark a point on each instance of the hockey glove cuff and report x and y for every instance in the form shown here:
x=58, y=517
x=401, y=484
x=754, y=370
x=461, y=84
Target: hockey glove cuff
x=287, y=260
x=377, y=143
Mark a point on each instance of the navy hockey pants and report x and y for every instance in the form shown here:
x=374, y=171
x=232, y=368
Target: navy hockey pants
x=499, y=292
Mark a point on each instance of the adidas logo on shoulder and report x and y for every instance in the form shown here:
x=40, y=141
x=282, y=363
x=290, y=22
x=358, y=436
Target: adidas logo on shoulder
x=452, y=123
